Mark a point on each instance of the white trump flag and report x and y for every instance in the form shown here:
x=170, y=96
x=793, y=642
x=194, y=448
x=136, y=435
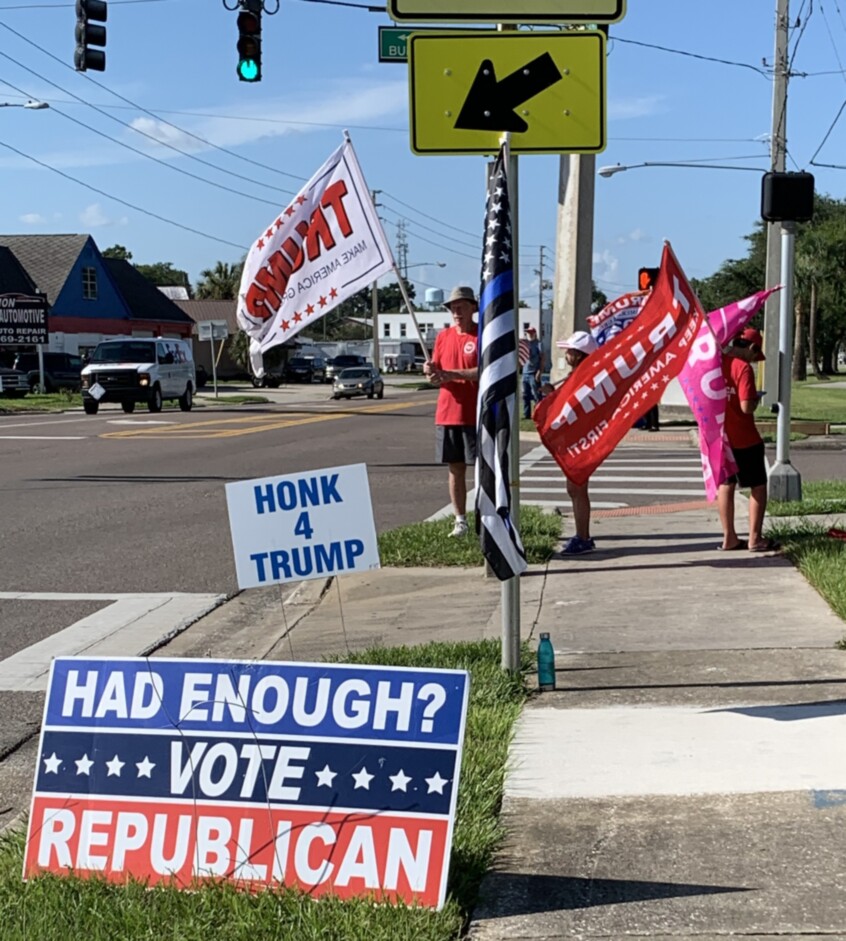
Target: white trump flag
x=325, y=246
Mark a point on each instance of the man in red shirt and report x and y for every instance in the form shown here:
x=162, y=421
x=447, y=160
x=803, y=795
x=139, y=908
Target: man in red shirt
x=454, y=368
x=746, y=444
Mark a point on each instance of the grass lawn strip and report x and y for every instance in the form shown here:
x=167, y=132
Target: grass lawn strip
x=428, y=544
x=818, y=497
x=53, y=909
x=819, y=557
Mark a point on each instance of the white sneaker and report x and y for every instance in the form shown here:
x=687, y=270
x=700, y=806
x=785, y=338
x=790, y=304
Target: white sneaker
x=460, y=529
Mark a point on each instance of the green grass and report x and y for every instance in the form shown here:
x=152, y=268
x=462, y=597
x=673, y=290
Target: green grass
x=813, y=401
x=820, y=558
x=429, y=543
x=53, y=909
x=818, y=496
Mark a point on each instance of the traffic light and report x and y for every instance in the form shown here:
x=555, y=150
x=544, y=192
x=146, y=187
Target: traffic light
x=249, y=41
x=90, y=34
x=646, y=278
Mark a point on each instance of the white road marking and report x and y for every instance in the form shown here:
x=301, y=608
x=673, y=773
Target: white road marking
x=43, y=437
x=131, y=626
x=139, y=421
x=654, y=491
x=676, y=750
x=607, y=478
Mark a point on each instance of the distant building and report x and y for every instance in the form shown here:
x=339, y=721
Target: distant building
x=90, y=297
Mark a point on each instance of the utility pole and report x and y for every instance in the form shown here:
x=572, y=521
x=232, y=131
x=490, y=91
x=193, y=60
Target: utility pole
x=539, y=273
x=778, y=152
x=402, y=249
x=573, y=252
x=374, y=303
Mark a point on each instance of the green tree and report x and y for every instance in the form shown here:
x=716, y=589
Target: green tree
x=163, y=274
x=117, y=251
x=220, y=283
x=598, y=299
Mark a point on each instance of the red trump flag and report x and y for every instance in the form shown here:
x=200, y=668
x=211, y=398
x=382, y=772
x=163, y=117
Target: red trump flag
x=588, y=415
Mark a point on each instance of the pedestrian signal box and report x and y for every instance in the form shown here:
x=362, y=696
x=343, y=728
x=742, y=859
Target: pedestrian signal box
x=646, y=278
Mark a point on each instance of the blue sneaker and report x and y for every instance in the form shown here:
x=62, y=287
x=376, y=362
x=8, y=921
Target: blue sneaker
x=578, y=546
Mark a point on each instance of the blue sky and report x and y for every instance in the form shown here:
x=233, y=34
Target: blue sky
x=176, y=59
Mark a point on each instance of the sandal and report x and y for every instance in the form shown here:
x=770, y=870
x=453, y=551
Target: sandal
x=740, y=544
x=768, y=545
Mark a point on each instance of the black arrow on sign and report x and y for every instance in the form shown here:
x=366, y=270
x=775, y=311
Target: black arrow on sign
x=490, y=104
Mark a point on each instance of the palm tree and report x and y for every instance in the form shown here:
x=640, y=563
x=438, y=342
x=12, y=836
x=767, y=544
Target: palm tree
x=220, y=283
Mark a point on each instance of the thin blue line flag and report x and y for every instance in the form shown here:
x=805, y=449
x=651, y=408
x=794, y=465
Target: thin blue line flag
x=499, y=539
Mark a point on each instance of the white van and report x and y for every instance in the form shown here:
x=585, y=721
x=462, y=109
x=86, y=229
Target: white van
x=137, y=369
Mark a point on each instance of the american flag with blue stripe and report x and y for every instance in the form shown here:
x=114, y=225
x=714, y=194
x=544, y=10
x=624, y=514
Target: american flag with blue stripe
x=500, y=541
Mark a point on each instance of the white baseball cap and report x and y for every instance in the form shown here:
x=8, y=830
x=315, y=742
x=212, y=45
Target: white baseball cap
x=581, y=341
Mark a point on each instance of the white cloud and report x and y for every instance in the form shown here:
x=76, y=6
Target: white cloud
x=93, y=216
x=605, y=266
x=636, y=235
x=621, y=109
x=343, y=103
x=32, y=218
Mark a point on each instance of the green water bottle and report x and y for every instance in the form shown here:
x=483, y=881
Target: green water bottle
x=546, y=664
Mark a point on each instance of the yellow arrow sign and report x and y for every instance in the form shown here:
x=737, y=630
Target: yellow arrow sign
x=467, y=88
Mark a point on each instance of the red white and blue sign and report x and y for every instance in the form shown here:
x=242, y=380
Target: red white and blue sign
x=329, y=778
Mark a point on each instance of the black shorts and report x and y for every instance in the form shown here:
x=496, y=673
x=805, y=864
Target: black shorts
x=455, y=444
x=751, y=466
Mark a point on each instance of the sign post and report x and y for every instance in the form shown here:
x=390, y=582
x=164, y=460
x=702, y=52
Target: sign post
x=212, y=330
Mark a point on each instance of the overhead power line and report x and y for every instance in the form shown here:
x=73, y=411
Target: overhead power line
x=123, y=202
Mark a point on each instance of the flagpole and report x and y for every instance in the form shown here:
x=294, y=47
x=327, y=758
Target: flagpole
x=510, y=590
x=410, y=309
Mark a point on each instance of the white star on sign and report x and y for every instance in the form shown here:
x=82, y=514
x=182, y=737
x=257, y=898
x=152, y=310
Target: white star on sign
x=52, y=764
x=114, y=766
x=83, y=766
x=399, y=781
x=145, y=767
x=436, y=783
x=363, y=779
x=325, y=777
x=655, y=385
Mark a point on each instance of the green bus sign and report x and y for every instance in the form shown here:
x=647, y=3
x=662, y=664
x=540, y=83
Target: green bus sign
x=393, y=44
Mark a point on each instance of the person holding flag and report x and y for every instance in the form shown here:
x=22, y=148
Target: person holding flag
x=746, y=444
x=577, y=348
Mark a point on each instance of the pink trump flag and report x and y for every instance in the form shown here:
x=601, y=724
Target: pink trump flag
x=705, y=388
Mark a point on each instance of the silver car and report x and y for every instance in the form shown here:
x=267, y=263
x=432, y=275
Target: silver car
x=358, y=380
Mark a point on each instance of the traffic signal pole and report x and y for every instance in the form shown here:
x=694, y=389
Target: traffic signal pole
x=778, y=151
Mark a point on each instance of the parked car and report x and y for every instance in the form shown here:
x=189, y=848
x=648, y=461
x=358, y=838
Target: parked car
x=61, y=370
x=306, y=369
x=273, y=377
x=341, y=362
x=132, y=370
x=358, y=380
x=13, y=384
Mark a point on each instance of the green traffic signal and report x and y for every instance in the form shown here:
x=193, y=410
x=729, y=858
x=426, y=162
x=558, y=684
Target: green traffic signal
x=249, y=41
x=248, y=70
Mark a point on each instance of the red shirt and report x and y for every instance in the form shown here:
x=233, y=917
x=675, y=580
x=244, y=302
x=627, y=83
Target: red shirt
x=457, y=398
x=740, y=385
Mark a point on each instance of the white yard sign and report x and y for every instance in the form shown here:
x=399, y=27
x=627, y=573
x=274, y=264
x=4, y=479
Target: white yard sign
x=298, y=526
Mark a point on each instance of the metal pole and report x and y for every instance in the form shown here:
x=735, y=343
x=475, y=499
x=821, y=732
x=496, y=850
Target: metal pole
x=41, y=386
x=374, y=304
x=510, y=589
x=785, y=482
x=778, y=150
x=214, y=364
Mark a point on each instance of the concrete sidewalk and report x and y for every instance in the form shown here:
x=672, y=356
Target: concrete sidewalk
x=687, y=778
